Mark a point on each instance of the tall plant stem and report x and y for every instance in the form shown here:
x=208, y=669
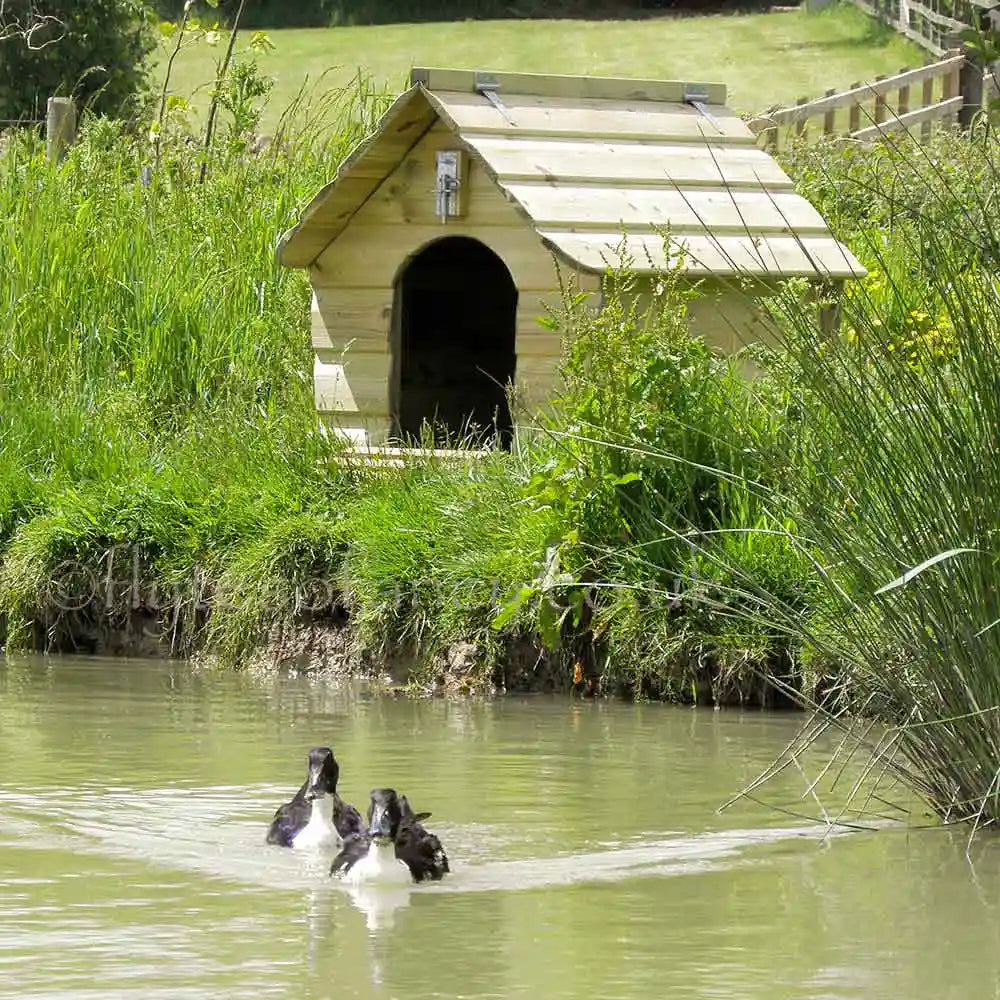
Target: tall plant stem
x=166, y=81
x=220, y=76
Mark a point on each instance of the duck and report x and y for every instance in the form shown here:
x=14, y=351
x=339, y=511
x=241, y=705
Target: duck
x=395, y=848
x=316, y=816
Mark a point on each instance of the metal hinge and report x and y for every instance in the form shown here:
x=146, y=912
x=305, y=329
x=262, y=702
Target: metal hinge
x=488, y=85
x=449, y=170
x=697, y=97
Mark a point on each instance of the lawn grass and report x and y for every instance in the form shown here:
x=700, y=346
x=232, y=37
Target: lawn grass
x=764, y=59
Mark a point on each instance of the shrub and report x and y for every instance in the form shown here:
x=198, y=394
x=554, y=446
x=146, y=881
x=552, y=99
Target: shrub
x=93, y=50
x=657, y=441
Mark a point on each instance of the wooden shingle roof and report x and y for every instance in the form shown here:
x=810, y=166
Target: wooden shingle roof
x=599, y=167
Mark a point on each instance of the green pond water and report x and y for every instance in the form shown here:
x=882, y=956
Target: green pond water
x=588, y=856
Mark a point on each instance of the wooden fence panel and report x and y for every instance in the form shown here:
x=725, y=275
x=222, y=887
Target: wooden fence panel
x=887, y=104
x=932, y=24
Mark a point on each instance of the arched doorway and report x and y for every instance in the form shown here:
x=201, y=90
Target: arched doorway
x=453, y=346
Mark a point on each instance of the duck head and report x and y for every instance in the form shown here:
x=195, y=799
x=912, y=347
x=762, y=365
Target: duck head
x=384, y=814
x=324, y=772
x=387, y=812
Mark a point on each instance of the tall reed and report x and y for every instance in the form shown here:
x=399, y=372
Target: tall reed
x=897, y=471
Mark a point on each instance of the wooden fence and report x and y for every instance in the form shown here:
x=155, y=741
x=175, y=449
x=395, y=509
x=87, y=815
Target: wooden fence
x=947, y=92
x=932, y=24
x=59, y=122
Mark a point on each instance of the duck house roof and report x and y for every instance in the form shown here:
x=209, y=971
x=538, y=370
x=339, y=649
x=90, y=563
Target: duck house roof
x=604, y=170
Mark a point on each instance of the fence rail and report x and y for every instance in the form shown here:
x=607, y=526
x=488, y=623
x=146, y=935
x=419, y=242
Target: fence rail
x=946, y=92
x=932, y=24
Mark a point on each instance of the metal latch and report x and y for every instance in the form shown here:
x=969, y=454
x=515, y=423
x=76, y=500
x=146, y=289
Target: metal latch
x=448, y=183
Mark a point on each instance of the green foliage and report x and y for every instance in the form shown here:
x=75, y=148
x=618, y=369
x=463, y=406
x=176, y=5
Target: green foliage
x=93, y=50
x=905, y=471
x=656, y=442
x=240, y=94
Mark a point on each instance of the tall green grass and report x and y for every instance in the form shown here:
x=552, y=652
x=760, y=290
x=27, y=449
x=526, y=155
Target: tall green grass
x=159, y=449
x=153, y=362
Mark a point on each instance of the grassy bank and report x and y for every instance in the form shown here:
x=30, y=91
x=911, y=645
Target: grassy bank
x=763, y=59
x=160, y=465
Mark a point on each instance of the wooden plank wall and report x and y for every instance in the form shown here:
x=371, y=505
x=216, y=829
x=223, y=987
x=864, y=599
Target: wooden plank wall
x=353, y=283
x=728, y=318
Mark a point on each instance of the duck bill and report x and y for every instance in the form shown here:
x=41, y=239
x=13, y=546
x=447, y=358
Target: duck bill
x=380, y=827
x=315, y=788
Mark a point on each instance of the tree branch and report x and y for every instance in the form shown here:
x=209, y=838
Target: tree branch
x=37, y=30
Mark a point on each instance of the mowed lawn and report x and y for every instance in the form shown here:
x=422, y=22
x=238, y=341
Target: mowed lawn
x=764, y=59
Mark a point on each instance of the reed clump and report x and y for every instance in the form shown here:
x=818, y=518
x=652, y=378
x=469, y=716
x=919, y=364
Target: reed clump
x=905, y=467
x=895, y=467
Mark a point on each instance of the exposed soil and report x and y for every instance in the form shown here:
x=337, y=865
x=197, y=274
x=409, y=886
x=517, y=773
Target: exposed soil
x=328, y=649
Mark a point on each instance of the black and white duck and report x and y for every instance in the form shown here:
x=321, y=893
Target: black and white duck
x=395, y=848
x=316, y=816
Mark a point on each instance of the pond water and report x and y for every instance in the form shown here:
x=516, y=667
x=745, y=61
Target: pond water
x=588, y=856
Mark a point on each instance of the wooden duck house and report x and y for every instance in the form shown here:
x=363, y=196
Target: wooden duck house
x=444, y=235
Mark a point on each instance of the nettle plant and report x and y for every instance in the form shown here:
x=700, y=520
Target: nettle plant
x=648, y=446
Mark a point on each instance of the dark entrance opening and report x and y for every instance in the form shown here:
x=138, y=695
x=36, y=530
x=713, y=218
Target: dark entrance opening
x=453, y=344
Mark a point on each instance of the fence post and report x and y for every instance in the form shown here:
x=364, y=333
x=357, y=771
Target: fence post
x=970, y=81
x=903, y=97
x=830, y=118
x=800, y=127
x=881, y=107
x=926, y=100
x=854, y=113
x=60, y=127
